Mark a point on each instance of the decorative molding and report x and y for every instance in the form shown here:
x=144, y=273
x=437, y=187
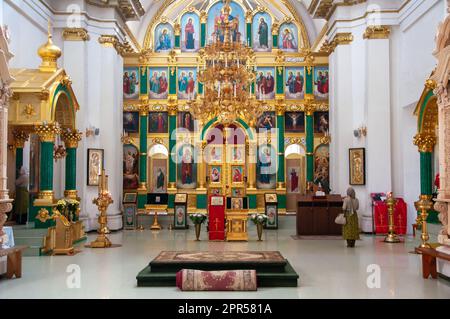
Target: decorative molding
x=344, y=38
x=112, y=41
x=377, y=32
x=75, y=34
x=47, y=132
x=71, y=138
x=425, y=142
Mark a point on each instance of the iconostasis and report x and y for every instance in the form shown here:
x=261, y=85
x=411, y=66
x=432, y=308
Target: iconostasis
x=166, y=150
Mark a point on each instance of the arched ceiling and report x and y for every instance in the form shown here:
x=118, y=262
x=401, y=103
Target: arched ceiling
x=296, y=9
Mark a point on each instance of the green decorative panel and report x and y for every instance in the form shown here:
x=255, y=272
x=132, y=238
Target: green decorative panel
x=281, y=201
x=280, y=80
x=172, y=150
x=141, y=201
x=19, y=160
x=37, y=222
x=275, y=41
x=144, y=80
x=280, y=126
x=46, y=167
x=309, y=148
x=203, y=35
x=172, y=80
x=177, y=41
x=71, y=169
x=252, y=201
x=201, y=201
x=143, y=148
x=426, y=177
x=309, y=80
x=171, y=200
x=249, y=35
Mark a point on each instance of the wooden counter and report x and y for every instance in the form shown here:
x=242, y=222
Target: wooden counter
x=316, y=215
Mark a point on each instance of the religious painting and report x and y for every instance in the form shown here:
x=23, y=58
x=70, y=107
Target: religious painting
x=190, y=32
x=262, y=32
x=288, y=37
x=159, y=176
x=216, y=17
x=187, y=83
x=237, y=192
x=130, y=197
x=266, y=122
x=217, y=201
x=237, y=174
x=158, y=122
x=321, y=122
x=272, y=216
x=158, y=83
x=180, y=216
x=237, y=203
x=215, y=174
x=131, y=83
x=213, y=153
x=186, y=167
x=215, y=191
x=164, y=38
x=265, y=83
x=322, y=167
x=186, y=121
x=130, y=167
x=266, y=169
x=294, y=122
x=236, y=154
x=321, y=80
x=180, y=198
x=270, y=198
x=129, y=216
x=293, y=177
x=95, y=166
x=357, y=166
x=131, y=122
x=295, y=83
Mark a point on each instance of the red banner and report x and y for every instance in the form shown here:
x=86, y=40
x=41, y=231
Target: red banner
x=216, y=213
x=382, y=219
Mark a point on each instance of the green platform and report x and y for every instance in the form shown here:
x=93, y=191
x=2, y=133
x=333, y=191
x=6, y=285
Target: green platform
x=269, y=274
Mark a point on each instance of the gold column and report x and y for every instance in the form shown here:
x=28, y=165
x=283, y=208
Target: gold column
x=391, y=236
x=251, y=160
x=201, y=165
x=424, y=204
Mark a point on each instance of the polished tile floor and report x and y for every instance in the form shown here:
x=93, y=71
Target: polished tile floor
x=327, y=268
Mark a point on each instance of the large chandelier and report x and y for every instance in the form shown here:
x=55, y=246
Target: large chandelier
x=227, y=74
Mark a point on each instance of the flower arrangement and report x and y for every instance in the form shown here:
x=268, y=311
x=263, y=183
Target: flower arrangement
x=259, y=219
x=198, y=218
x=68, y=208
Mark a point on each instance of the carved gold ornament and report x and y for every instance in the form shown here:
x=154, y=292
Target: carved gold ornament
x=28, y=111
x=425, y=142
x=71, y=138
x=75, y=34
x=344, y=38
x=377, y=32
x=20, y=137
x=47, y=131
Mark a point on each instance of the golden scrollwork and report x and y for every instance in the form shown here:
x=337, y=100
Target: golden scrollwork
x=280, y=106
x=20, y=137
x=43, y=215
x=275, y=27
x=430, y=84
x=280, y=57
x=425, y=142
x=47, y=131
x=343, y=38
x=172, y=59
x=172, y=106
x=66, y=81
x=377, y=32
x=28, y=110
x=75, y=34
x=325, y=139
x=177, y=29
x=309, y=107
x=71, y=138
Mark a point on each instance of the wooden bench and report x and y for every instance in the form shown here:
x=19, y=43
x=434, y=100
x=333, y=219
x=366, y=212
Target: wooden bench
x=14, y=261
x=429, y=256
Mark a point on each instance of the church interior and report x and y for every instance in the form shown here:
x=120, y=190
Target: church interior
x=224, y=149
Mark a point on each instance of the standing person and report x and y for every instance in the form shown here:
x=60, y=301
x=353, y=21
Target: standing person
x=350, y=231
x=21, y=202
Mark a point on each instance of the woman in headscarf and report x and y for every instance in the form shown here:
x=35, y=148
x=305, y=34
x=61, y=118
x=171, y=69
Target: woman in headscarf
x=21, y=201
x=350, y=231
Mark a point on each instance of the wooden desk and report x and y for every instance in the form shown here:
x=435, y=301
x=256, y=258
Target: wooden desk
x=14, y=261
x=316, y=215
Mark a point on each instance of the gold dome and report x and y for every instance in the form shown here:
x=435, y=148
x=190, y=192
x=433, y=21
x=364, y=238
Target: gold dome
x=49, y=54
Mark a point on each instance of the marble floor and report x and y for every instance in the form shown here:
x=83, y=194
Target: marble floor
x=327, y=268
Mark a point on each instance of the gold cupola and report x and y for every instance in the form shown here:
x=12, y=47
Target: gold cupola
x=49, y=54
